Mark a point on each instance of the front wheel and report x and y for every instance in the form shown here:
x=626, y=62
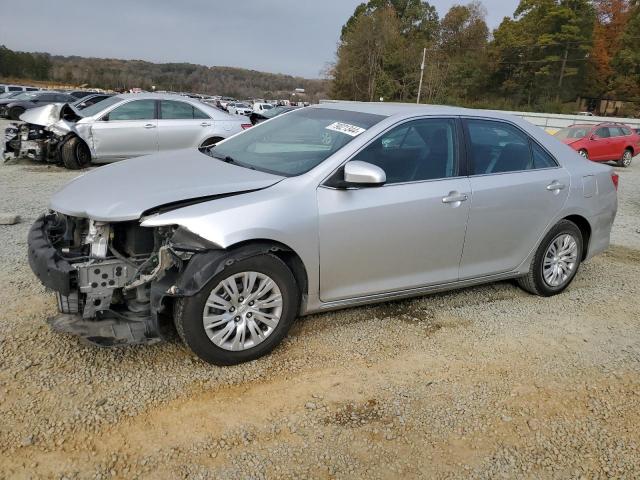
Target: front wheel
x=556, y=261
x=625, y=161
x=75, y=154
x=584, y=153
x=243, y=313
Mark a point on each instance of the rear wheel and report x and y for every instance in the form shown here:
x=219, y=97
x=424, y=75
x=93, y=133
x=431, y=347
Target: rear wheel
x=210, y=142
x=625, y=161
x=583, y=153
x=242, y=313
x=75, y=154
x=556, y=261
x=15, y=112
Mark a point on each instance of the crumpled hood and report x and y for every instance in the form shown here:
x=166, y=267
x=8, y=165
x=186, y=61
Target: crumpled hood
x=43, y=116
x=125, y=190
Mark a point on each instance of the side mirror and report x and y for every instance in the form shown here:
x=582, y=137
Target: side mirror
x=594, y=137
x=364, y=174
x=105, y=118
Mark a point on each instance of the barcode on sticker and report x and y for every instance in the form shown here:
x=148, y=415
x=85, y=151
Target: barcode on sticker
x=346, y=128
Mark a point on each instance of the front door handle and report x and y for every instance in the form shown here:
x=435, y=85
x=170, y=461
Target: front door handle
x=205, y=124
x=555, y=186
x=150, y=125
x=455, y=197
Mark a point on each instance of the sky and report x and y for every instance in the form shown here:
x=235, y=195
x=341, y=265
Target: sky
x=296, y=37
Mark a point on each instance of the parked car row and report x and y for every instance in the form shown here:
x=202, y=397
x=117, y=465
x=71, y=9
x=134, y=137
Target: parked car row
x=118, y=127
x=603, y=142
x=16, y=88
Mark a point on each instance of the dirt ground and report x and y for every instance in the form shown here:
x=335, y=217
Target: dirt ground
x=486, y=382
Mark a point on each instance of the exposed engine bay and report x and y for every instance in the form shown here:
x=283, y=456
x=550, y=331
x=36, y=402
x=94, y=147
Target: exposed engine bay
x=41, y=141
x=104, y=271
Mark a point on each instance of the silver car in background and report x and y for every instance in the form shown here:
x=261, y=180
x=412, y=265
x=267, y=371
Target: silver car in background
x=320, y=208
x=125, y=126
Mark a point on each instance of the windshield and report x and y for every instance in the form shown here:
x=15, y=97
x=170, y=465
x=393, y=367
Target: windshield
x=295, y=143
x=266, y=106
x=91, y=110
x=575, y=132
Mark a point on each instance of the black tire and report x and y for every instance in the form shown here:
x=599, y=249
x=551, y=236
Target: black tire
x=15, y=112
x=534, y=281
x=210, y=142
x=625, y=161
x=188, y=312
x=75, y=154
x=584, y=153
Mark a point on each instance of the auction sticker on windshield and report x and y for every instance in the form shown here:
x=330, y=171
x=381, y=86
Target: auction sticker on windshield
x=346, y=128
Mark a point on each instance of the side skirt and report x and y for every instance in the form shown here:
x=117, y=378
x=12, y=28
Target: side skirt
x=413, y=292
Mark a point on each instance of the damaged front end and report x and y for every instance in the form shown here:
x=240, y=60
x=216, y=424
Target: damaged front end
x=42, y=135
x=110, y=278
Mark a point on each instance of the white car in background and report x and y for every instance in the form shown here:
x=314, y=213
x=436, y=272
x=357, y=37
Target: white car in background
x=125, y=126
x=259, y=107
x=239, y=108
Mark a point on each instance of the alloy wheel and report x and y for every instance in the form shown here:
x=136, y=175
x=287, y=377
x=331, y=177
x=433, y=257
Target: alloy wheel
x=560, y=260
x=242, y=311
x=626, y=158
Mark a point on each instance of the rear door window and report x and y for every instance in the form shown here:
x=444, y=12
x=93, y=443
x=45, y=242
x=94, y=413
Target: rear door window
x=497, y=147
x=615, y=132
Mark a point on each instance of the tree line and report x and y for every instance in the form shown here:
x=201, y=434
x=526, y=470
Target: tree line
x=548, y=53
x=122, y=75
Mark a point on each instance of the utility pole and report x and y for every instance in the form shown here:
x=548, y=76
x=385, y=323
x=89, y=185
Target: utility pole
x=562, y=69
x=424, y=54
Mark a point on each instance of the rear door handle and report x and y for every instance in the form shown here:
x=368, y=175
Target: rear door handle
x=555, y=186
x=455, y=197
x=150, y=125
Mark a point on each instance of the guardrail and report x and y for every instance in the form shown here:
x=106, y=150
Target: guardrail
x=552, y=122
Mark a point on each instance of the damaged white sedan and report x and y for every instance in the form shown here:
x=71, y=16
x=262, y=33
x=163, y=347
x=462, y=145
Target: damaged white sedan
x=119, y=127
x=320, y=208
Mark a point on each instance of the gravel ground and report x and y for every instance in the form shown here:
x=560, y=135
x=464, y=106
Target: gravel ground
x=485, y=382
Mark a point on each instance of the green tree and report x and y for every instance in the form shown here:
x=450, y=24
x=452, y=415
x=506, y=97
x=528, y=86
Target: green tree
x=539, y=53
x=626, y=62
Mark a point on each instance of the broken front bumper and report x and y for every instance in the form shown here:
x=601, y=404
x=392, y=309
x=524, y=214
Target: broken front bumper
x=79, y=301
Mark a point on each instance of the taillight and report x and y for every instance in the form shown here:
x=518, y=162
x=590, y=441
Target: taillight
x=615, y=178
x=246, y=125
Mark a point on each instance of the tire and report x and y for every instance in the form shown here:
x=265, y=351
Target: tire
x=75, y=154
x=535, y=282
x=189, y=312
x=583, y=153
x=15, y=112
x=625, y=161
x=210, y=142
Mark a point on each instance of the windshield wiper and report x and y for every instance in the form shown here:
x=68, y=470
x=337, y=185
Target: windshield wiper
x=230, y=159
x=224, y=158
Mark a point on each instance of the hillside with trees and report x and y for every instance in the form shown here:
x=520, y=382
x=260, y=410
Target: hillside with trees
x=546, y=55
x=125, y=74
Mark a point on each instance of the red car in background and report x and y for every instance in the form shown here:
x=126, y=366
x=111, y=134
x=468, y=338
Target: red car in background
x=603, y=142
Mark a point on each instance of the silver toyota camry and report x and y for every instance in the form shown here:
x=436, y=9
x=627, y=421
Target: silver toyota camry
x=120, y=127
x=321, y=208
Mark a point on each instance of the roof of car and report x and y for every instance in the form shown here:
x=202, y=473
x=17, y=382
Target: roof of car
x=157, y=96
x=388, y=109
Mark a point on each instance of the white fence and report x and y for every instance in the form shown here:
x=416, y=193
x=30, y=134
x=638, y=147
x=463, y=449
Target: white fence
x=552, y=122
